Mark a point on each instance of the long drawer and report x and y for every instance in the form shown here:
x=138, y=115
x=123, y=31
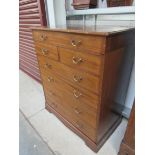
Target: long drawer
x=71, y=117
x=95, y=44
x=81, y=60
x=75, y=77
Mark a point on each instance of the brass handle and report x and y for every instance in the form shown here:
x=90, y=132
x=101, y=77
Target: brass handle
x=76, y=110
x=74, y=43
x=50, y=79
x=77, y=60
x=44, y=51
x=76, y=94
x=43, y=37
x=47, y=65
x=77, y=78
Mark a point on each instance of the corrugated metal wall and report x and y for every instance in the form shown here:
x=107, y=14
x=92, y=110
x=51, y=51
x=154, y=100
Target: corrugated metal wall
x=31, y=14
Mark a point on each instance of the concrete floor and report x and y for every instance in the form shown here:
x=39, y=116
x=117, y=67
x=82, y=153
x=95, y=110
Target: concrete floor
x=41, y=133
x=30, y=143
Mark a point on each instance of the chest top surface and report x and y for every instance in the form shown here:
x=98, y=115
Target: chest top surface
x=93, y=30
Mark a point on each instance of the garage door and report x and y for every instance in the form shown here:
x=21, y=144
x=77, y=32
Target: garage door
x=31, y=14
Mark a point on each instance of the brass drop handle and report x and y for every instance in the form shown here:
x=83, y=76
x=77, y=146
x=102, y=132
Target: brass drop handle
x=76, y=94
x=77, y=78
x=44, y=51
x=43, y=37
x=77, y=60
x=47, y=65
x=50, y=79
x=77, y=111
x=75, y=44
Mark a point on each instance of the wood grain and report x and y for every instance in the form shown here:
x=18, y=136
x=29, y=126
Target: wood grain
x=80, y=106
x=48, y=51
x=89, y=63
x=75, y=77
x=80, y=78
x=95, y=44
x=58, y=83
x=71, y=117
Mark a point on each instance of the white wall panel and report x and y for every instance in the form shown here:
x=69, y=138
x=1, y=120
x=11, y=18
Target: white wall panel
x=50, y=13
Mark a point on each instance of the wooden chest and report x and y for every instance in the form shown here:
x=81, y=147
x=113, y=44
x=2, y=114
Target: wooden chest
x=80, y=69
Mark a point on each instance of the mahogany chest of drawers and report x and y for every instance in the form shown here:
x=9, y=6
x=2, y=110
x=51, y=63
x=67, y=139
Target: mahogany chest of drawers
x=79, y=71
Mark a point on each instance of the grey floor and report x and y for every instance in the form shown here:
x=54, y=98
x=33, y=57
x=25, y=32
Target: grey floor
x=41, y=133
x=30, y=143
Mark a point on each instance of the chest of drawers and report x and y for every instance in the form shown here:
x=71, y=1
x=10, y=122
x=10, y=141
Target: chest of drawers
x=80, y=71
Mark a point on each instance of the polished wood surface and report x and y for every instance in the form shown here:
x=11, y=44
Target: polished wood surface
x=80, y=73
x=128, y=144
x=77, y=95
x=75, y=77
x=71, y=117
x=74, y=99
x=47, y=51
x=75, y=42
x=81, y=60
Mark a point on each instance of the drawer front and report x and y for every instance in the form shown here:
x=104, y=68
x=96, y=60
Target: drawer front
x=76, y=106
x=82, y=126
x=73, y=119
x=81, y=60
x=53, y=102
x=77, y=96
x=75, y=77
x=47, y=51
x=87, y=42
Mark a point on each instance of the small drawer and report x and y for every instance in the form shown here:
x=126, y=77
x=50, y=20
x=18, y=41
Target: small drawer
x=81, y=60
x=82, y=126
x=92, y=43
x=75, y=77
x=47, y=51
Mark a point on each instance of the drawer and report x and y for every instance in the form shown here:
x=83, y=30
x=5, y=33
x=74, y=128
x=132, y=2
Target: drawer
x=82, y=97
x=92, y=43
x=76, y=106
x=82, y=126
x=73, y=119
x=75, y=77
x=81, y=60
x=47, y=51
x=53, y=102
